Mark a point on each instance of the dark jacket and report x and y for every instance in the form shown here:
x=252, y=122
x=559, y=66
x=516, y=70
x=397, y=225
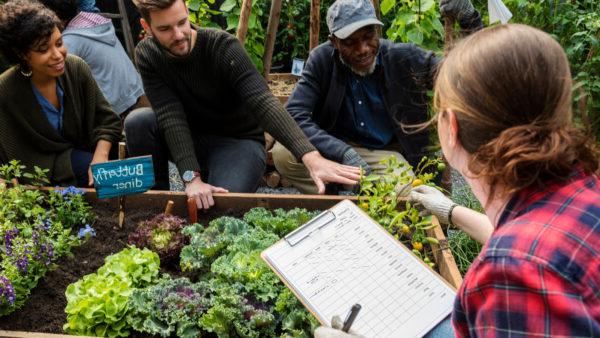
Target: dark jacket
x=26, y=134
x=407, y=74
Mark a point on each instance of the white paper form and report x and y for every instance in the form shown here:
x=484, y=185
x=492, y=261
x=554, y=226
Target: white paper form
x=352, y=259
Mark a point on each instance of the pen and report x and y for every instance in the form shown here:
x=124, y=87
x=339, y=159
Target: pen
x=351, y=317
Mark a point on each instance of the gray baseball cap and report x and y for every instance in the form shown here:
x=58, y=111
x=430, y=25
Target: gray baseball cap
x=345, y=17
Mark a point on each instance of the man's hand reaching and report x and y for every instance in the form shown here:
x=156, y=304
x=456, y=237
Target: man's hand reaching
x=324, y=171
x=202, y=193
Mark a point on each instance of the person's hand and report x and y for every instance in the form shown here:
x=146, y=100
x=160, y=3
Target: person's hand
x=353, y=159
x=99, y=157
x=335, y=331
x=433, y=200
x=202, y=193
x=324, y=171
x=456, y=8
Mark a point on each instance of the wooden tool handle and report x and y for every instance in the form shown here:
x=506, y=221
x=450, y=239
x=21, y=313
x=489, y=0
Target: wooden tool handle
x=169, y=207
x=192, y=211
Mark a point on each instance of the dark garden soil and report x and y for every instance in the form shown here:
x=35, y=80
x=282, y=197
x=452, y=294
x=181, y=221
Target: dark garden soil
x=45, y=308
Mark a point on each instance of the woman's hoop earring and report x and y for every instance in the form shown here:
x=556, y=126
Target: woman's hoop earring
x=26, y=74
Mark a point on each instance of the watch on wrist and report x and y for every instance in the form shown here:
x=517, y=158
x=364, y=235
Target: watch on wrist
x=189, y=175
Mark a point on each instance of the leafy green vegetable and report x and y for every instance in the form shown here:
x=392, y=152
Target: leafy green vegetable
x=171, y=306
x=97, y=305
x=162, y=234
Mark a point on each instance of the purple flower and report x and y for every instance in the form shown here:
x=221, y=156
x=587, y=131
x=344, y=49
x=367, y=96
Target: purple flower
x=86, y=232
x=22, y=264
x=7, y=291
x=71, y=190
x=9, y=236
x=47, y=224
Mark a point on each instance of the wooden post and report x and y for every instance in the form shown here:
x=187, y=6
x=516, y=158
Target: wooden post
x=315, y=23
x=244, y=18
x=169, y=207
x=271, y=36
x=378, y=13
x=192, y=210
x=122, y=198
x=448, y=34
x=129, y=45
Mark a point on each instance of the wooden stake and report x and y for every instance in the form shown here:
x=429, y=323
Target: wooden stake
x=122, y=152
x=192, y=211
x=244, y=18
x=378, y=13
x=315, y=23
x=169, y=207
x=448, y=34
x=271, y=36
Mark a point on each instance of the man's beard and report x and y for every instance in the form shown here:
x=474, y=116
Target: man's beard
x=361, y=72
x=168, y=49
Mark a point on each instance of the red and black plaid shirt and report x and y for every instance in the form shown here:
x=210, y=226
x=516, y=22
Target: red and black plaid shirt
x=539, y=274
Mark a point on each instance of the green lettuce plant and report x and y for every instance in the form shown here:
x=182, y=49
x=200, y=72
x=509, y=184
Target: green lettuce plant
x=97, y=305
x=161, y=234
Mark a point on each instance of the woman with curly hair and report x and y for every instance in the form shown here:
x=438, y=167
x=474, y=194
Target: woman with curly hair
x=505, y=123
x=52, y=114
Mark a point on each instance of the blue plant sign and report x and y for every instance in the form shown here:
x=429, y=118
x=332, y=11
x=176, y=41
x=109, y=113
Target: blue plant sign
x=124, y=177
x=297, y=67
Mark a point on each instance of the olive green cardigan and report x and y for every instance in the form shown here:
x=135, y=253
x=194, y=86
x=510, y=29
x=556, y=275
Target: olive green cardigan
x=26, y=134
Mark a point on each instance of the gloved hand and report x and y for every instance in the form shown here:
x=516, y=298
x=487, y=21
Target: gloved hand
x=433, y=200
x=335, y=331
x=457, y=9
x=352, y=158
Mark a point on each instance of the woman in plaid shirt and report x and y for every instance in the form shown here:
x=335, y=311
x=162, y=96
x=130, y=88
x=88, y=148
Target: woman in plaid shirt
x=505, y=123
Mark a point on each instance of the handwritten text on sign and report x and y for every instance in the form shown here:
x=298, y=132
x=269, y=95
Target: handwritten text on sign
x=124, y=177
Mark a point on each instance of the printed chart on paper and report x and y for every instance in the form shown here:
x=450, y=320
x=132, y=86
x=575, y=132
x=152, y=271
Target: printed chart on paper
x=352, y=259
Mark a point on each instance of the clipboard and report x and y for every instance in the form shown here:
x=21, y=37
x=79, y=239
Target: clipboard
x=343, y=257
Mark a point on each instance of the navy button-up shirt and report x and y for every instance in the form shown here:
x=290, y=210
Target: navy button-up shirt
x=363, y=117
x=54, y=116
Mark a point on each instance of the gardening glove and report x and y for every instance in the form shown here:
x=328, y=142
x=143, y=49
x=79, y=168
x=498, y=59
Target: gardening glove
x=335, y=331
x=353, y=159
x=457, y=9
x=433, y=200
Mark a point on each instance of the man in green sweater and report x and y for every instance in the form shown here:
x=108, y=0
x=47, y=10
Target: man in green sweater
x=211, y=108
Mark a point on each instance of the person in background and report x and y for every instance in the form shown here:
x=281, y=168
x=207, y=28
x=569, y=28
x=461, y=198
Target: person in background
x=358, y=90
x=536, y=174
x=92, y=37
x=88, y=6
x=212, y=108
x=52, y=113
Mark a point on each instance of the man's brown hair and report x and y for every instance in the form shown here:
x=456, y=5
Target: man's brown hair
x=147, y=6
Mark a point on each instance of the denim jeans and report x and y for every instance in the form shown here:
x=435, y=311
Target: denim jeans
x=80, y=162
x=87, y=6
x=234, y=164
x=443, y=330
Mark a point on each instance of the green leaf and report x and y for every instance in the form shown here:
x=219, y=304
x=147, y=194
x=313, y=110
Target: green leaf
x=228, y=5
x=415, y=36
x=387, y=5
x=193, y=5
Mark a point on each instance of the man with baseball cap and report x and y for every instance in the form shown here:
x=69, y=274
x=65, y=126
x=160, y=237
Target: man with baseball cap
x=357, y=91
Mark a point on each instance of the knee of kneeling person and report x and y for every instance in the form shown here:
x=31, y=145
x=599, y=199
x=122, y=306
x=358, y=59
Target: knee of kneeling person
x=140, y=119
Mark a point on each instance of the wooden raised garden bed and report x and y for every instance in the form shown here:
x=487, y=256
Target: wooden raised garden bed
x=44, y=310
x=282, y=84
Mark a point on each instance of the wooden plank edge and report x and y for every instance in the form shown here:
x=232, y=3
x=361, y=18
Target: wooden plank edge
x=443, y=256
x=24, y=334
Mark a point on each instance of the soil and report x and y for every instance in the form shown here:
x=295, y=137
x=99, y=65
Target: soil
x=282, y=87
x=44, y=311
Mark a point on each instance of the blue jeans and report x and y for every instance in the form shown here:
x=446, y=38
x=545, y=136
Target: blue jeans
x=80, y=162
x=88, y=6
x=231, y=163
x=443, y=330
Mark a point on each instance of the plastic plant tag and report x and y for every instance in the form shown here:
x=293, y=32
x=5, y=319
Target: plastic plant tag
x=498, y=11
x=297, y=66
